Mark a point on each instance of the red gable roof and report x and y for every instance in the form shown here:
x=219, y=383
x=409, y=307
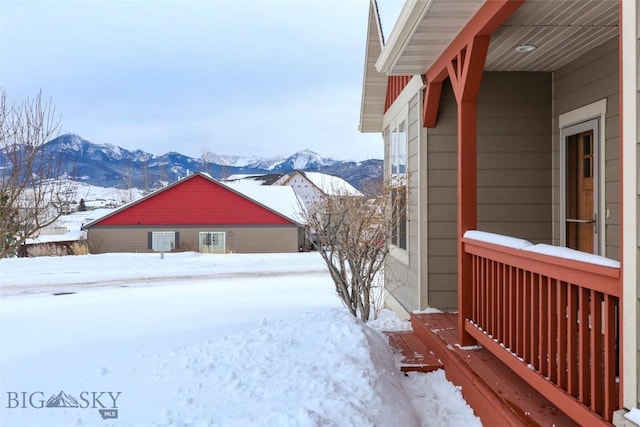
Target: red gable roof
x=195, y=200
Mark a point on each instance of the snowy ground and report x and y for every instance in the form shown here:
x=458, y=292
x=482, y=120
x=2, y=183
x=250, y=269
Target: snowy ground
x=199, y=340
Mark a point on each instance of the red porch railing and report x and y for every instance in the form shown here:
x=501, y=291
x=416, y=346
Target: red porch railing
x=554, y=321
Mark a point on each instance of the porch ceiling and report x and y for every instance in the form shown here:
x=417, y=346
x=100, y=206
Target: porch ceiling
x=562, y=30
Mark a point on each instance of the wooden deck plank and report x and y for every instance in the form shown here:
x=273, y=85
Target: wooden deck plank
x=415, y=354
x=497, y=395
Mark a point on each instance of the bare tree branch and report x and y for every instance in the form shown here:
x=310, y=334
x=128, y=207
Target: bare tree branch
x=31, y=195
x=352, y=234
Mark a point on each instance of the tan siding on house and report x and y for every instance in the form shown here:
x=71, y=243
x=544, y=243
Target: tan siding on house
x=514, y=155
x=259, y=239
x=514, y=172
x=588, y=79
x=441, y=227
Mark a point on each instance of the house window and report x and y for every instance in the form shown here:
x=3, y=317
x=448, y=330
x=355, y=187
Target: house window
x=212, y=242
x=396, y=140
x=163, y=241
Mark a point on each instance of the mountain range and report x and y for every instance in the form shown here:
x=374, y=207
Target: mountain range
x=107, y=165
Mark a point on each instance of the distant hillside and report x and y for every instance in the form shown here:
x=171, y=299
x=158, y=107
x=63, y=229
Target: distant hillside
x=107, y=165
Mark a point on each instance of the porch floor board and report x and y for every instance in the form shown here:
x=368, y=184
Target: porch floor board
x=415, y=354
x=497, y=395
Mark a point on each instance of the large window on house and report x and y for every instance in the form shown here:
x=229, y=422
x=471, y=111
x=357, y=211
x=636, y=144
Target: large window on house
x=396, y=141
x=163, y=241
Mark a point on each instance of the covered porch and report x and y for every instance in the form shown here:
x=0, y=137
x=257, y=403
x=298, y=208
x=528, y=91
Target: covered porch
x=545, y=304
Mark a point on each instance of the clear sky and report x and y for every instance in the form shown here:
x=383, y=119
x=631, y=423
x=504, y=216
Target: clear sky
x=239, y=77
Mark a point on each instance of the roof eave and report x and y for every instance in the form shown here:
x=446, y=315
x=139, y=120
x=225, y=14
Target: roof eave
x=374, y=84
x=411, y=15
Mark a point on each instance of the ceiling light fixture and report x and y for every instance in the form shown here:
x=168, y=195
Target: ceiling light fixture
x=525, y=48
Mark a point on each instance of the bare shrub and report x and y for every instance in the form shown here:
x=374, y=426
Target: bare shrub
x=186, y=247
x=46, y=249
x=79, y=248
x=352, y=234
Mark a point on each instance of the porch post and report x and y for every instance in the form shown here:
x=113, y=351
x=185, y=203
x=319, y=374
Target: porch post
x=465, y=72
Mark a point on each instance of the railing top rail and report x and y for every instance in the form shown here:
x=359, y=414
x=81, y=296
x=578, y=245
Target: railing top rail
x=570, y=270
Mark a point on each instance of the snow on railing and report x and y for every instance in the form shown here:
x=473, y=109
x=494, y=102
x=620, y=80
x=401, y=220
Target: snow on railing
x=556, y=310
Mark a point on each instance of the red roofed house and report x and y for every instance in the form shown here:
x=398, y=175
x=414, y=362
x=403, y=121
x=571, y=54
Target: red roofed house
x=199, y=213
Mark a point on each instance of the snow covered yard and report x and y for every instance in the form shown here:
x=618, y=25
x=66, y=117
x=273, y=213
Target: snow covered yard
x=199, y=340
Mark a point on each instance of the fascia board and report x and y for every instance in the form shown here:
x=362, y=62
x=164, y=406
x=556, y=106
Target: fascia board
x=369, y=88
x=411, y=15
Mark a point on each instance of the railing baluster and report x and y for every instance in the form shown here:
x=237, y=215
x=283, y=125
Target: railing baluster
x=562, y=335
x=543, y=326
x=500, y=301
x=494, y=300
x=554, y=336
x=535, y=332
x=487, y=290
x=490, y=294
x=512, y=309
x=597, y=371
x=519, y=311
x=528, y=324
x=610, y=356
x=482, y=291
x=497, y=304
x=474, y=286
x=583, y=344
x=573, y=340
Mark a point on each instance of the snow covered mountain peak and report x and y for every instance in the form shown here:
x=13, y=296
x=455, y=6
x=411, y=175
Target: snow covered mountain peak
x=108, y=165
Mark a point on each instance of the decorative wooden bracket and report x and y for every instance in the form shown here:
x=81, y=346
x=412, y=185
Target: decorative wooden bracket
x=466, y=69
x=431, y=104
x=491, y=15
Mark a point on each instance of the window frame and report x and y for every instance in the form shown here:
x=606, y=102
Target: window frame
x=397, y=149
x=154, y=236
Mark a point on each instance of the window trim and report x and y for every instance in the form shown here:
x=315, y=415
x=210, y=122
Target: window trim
x=394, y=127
x=151, y=238
x=568, y=122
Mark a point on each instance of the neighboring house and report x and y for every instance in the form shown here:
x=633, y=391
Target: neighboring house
x=312, y=186
x=61, y=237
x=199, y=213
x=260, y=179
x=506, y=117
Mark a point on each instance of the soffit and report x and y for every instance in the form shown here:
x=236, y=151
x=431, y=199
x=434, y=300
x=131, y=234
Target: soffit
x=562, y=30
x=424, y=31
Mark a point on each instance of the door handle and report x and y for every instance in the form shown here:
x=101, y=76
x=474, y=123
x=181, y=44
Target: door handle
x=581, y=221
